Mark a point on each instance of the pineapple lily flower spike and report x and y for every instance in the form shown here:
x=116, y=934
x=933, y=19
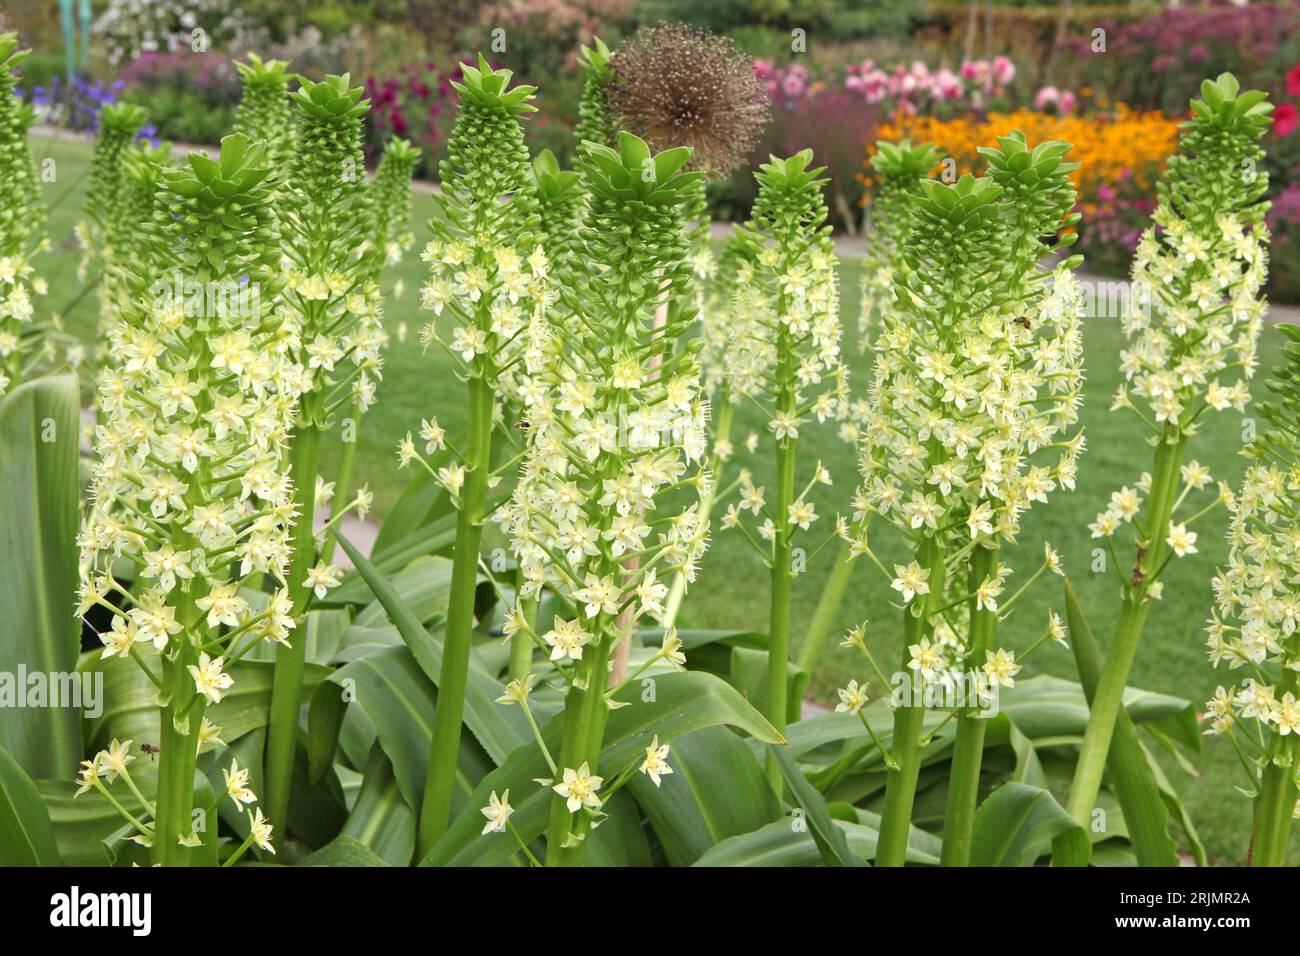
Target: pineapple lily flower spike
x=786, y=359
x=189, y=484
x=1198, y=271
x=333, y=303
x=488, y=280
x=264, y=114
x=25, y=342
x=620, y=426
x=978, y=380
x=1256, y=619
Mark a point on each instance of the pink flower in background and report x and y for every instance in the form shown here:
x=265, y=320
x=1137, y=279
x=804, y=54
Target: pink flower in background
x=947, y=85
x=917, y=86
x=1004, y=71
x=795, y=82
x=1284, y=119
x=867, y=79
x=1293, y=81
x=1049, y=97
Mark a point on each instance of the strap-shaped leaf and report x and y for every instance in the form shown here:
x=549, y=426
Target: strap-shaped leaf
x=830, y=839
x=26, y=835
x=681, y=703
x=1015, y=824
x=717, y=790
x=38, y=565
x=488, y=721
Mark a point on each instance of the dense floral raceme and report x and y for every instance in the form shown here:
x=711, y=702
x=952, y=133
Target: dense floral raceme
x=978, y=376
x=190, y=485
x=1196, y=313
x=595, y=116
x=142, y=168
x=785, y=324
x=1256, y=624
x=1260, y=589
x=561, y=206
x=616, y=423
x=264, y=115
x=328, y=283
x=488, y=269
x=1255, y=627
x=24, y=341
x=899, y=169
x=388, y=196
x=118, y=124
x=716, y=295
x=615, y=418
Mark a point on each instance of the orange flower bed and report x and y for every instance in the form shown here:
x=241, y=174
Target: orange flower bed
x=1121, y=144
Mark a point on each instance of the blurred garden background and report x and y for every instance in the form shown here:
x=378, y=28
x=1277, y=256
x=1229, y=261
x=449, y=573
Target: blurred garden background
x=1112, y=79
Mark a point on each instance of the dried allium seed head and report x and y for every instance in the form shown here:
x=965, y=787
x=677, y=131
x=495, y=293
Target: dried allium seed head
x=677, y=85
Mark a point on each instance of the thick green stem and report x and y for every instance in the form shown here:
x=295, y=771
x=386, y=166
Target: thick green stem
x=178, y=754
x=968, y=751
x=778, y=651
x=435, y=812
x=909, y=720
x=521, y=644
x=1276, y=801
x=1128, y=634
x=1134, y=783
x=827, y=607
x=585, y=712
x=900, y=784
x=347, y=464
x=290, y=662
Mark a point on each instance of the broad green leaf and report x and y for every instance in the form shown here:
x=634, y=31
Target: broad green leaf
x=682, y=703
x=324, y=722
x=131, y=700
x=423, y=587
x=398, y=702
x=344, y=851
x=1050, y=707
x=83, y=825
x=26, y=834
x=788, y=843
x=619, y=841
x=39, y=430
x=749, y=676
x=830, y=840
x=1015, y=824
x=717, y=790
x=317, y=811
x=499, y=730
x=381, y=820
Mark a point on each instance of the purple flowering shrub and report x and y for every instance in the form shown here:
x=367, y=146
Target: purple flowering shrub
x=417, y=104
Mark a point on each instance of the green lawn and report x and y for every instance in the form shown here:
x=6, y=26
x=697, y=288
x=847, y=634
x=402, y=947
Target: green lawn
x=732, y=589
